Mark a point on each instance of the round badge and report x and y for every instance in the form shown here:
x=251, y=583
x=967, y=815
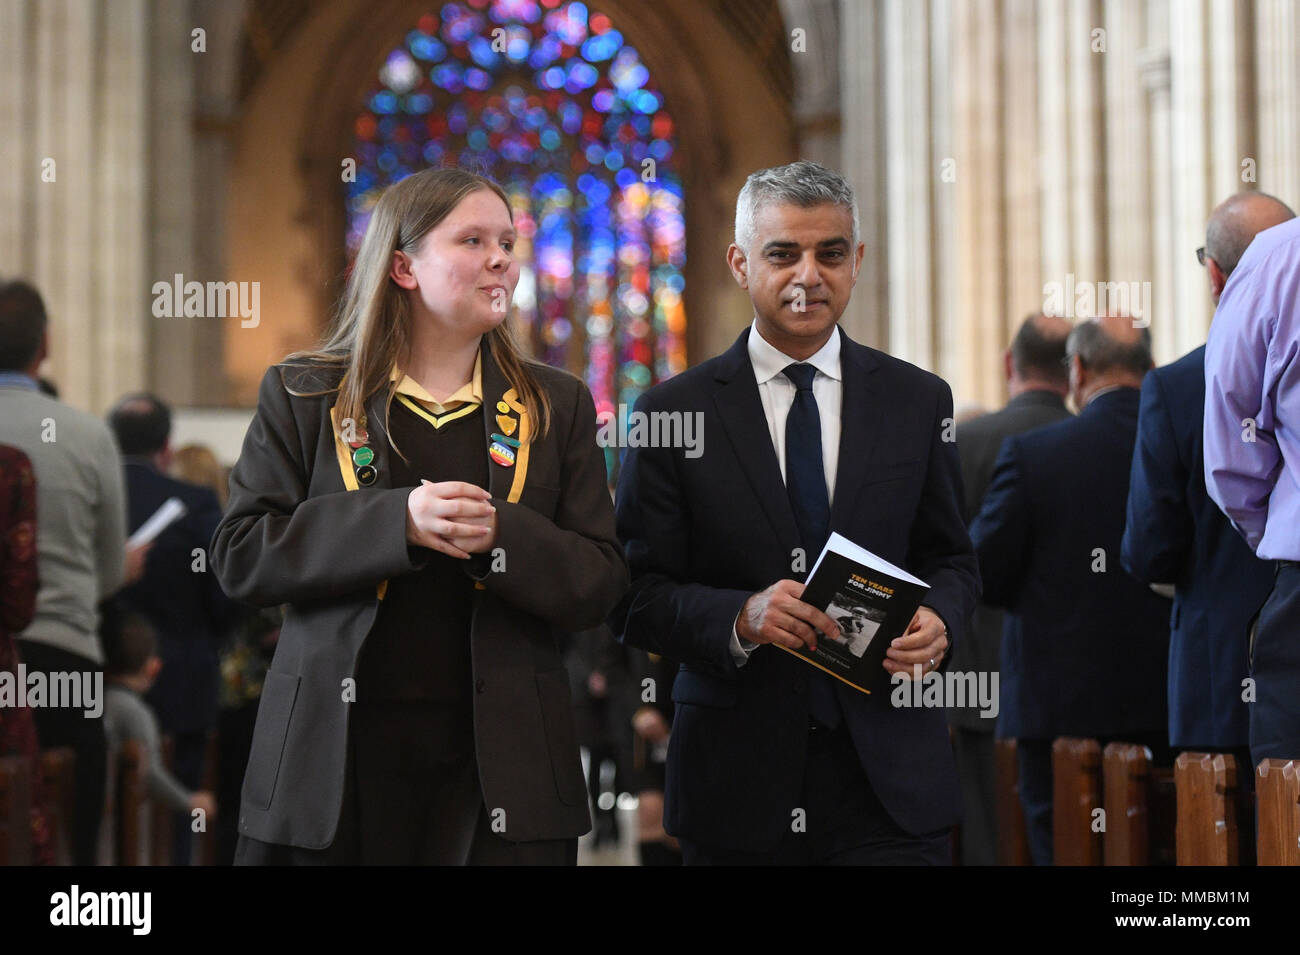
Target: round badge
x=362, y=456
x=501, y=454
x=503, y=407
x=366, y=475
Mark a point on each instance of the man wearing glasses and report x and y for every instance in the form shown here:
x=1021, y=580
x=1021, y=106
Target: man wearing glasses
x=1176, y=534
x=1252, y=461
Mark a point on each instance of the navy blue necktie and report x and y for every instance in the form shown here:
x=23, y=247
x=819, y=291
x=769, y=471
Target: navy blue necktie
x=805, y=482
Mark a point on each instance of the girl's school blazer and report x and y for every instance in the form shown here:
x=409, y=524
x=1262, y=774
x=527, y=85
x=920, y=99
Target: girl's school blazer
x=300, y=530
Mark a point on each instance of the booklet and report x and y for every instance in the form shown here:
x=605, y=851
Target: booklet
x=172, y=510
x=870, y=599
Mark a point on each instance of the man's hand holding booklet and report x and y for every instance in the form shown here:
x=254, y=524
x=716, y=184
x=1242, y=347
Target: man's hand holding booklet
x=869, y=623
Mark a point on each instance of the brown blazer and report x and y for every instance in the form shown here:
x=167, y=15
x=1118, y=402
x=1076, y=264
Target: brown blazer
x=299, y=531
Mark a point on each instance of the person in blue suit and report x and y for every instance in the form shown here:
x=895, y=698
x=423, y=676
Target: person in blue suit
x=178, y=594
x=805, y=432
x=1084, y=645
x=1177, y=535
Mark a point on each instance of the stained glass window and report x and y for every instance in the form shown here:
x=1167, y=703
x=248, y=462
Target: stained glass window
x=548, y=98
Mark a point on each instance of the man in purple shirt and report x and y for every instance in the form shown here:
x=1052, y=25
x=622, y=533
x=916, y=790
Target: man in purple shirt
x=1252, y=462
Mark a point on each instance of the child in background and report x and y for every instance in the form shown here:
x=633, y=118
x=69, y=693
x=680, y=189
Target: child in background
x=131, y=665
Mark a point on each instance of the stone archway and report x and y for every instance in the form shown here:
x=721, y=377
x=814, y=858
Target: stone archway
x=286, y=216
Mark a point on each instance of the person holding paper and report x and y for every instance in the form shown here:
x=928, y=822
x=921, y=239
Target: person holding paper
x=433, y=508
x=178, y=595
x=805, y=432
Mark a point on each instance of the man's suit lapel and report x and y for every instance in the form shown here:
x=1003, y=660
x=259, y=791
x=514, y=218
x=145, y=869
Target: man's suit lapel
x=741, y=412
x=861, y=405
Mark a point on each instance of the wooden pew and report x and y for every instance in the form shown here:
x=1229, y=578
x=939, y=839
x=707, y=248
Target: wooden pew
x=1141, y=808
x=58, y=774
x=15, y=811
x=1162, y=814
x=1013, y=840
x=163, y=817
x=1277, y=791
x=129, y=804
x=1076, y=795
x=1126, y=777
x=207, y=848
x=1207, y=809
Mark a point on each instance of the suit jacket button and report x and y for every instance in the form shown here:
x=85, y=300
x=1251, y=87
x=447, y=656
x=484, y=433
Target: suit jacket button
x=479, y=684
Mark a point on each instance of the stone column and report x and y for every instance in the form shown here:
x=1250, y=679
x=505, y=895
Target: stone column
x=973, y=347
x=862, y=163
x=816, y=79
x=1190, y=167
x=945, y=183
x=1054, y=140
x=1277, y=45
x=1128, y=147
x=123, y=300
x=908, y=176
x=72, y=104
x=1021, y=76
x=18, y=187
x=1083, y=99
x=177, y=343
x=1154, y=66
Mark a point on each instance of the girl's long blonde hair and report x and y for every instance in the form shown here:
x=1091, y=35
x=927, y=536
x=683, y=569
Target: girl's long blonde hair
x=373, y=323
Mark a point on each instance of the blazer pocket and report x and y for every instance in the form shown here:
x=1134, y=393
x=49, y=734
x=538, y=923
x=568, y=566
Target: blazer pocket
x=561, y=740
x=700, y=689
x=279, y=693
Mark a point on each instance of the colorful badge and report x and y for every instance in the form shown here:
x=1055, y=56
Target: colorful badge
x=506, y=423
x=362, y=456
x=513, y=442
x=501, y=454
x=503, y=407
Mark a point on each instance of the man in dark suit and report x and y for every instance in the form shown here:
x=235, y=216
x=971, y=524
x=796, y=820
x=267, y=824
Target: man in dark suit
x=1177, y=535
x=1037, y=384
x=178, y=594
x=1084, y=645
x=804, y=432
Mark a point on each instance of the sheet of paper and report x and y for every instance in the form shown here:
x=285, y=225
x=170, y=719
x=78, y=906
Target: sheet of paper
x=171, y=512
x=842, y=545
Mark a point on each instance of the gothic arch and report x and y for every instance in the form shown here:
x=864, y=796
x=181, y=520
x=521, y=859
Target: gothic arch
x=731, y=108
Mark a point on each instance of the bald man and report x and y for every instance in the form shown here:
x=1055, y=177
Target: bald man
x=1037, y=384
x=1252, y=463
x=1084, y=644
x=1177, y=535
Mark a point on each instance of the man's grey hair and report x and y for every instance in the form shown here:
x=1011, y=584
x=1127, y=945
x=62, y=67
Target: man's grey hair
x=802, y=183
x=1099, y=352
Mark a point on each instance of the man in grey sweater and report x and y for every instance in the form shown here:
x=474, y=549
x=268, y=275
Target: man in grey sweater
x=80, y=542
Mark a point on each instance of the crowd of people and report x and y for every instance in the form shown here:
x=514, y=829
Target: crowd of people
x=1128, y=568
